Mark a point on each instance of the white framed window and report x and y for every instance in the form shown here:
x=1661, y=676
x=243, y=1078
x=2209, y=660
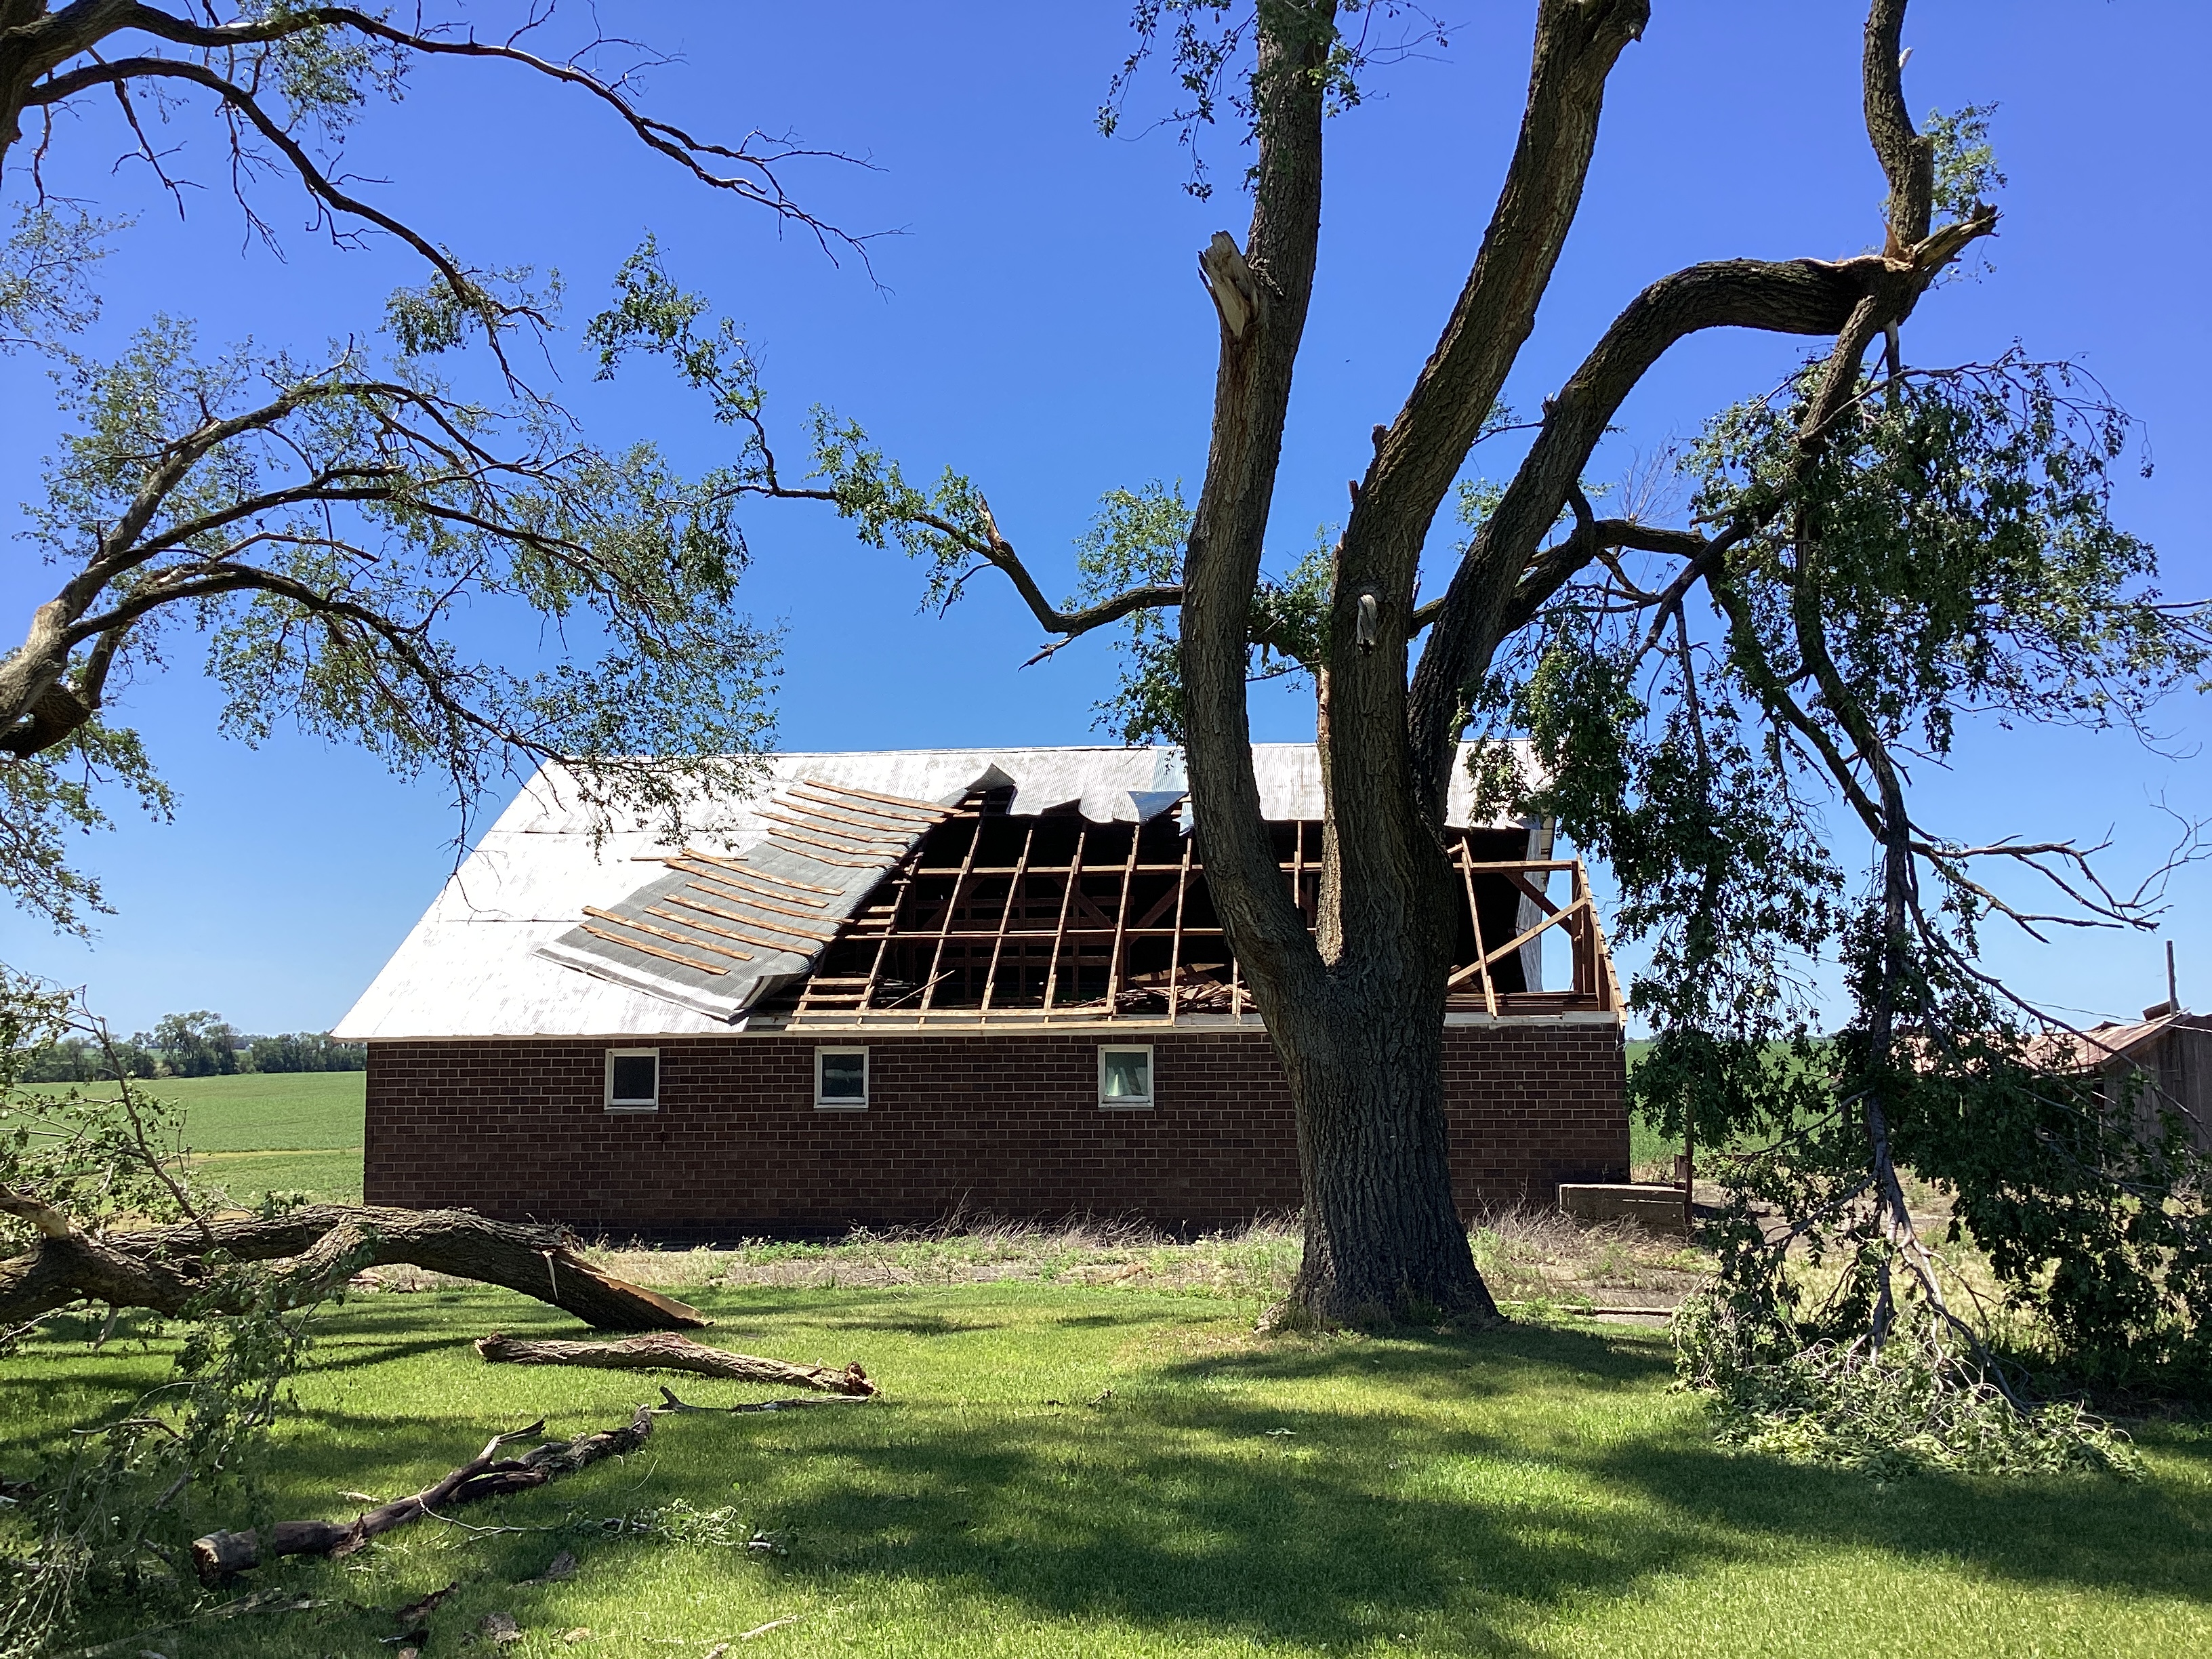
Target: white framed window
x=841, y=1079
x=1125, y=1076
x=633, y=1080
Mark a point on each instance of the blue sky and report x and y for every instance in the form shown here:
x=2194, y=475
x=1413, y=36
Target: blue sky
x=1039, y=324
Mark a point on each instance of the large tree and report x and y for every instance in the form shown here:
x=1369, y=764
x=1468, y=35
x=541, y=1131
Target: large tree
x=1875, y=549
x=323, y=517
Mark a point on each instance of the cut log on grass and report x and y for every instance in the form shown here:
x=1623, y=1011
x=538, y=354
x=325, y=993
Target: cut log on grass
x=219, y=1554
x=314, y=1250
x=674, y=1353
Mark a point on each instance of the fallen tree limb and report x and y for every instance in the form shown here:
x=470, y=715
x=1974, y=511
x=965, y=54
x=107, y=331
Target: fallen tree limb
x=674, y=1353
x=314, y=1250
x=219, y=1554
x=796, y=1402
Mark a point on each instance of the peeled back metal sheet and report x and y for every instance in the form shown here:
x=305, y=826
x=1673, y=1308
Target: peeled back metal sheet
x=716, y=934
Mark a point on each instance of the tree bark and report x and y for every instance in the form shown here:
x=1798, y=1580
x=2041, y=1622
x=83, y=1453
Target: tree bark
x=674, y=1353
x=1383, y=1238
x=315, y=1249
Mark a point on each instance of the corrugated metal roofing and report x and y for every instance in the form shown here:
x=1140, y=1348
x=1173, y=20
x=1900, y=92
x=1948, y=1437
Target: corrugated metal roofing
x=502, y=951
x=2101, y=1045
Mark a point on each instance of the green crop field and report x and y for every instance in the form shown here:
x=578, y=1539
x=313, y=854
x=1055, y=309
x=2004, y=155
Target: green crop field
x=1061, y=1470
x=283, y=1130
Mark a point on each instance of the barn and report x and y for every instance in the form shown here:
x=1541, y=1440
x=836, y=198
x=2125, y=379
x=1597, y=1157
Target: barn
x=886, y=988
x=2161, y=1064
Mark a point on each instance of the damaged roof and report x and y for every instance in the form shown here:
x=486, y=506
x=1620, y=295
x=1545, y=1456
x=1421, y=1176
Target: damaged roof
x=544, y=933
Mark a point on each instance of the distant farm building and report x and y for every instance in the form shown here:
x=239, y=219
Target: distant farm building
x=2161, y=1062
x=896, y=986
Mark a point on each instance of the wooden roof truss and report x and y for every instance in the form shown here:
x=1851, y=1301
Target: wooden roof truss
x=1054, y=918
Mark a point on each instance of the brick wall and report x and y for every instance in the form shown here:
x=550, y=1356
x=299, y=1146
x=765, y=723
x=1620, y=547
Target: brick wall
x=1005, y=1125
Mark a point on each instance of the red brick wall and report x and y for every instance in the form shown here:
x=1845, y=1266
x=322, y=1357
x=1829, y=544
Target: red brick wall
x=1006, y=1125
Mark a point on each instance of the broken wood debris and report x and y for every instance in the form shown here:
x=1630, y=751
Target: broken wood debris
x=219, y=1555
x=663, y=1352
x=796, y=1402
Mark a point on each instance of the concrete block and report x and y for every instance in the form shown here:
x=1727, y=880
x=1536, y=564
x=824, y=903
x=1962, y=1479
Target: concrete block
x=1654, y=1208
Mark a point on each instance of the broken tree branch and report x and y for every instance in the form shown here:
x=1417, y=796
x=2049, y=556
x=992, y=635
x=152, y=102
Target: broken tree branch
x=219, y=1555
x=793, y=1402
x=315, y=1249
x=661, y=1353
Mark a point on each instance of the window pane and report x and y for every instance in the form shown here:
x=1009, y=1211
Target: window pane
x=844, y=1077
x=635, y=1078
x=1128, y=1074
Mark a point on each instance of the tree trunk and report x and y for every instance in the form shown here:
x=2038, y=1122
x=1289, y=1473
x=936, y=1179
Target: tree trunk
x=1383, y=1238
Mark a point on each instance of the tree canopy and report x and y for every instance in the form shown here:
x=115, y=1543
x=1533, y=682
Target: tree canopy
x=319, y=518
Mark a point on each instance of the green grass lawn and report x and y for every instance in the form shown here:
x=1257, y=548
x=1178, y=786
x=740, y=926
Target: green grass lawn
x=1537, y=1493
x=285, y=1131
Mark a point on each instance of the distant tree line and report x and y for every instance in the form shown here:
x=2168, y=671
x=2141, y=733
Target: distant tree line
x=199, y=1044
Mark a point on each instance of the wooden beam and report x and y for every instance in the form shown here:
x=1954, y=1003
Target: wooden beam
x=713, y=968
x=1175, y=950
x=776, y=944
x=932, y=808
x=905, y=876
x=1474, y=915
x=1121, y=919
x=951, y=904
x=1059, y=936
x=798, y=842
x=1535, y=894
x=764, y=875
x=889, y=840
x=742, y=892
x=904, y=818
x=1519, y=939
x=1006, y=913
x=662, y=932
x=813, y=936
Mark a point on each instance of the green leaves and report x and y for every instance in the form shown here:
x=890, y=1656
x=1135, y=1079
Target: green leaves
x=48, y=798
x=1955, y=536
x=46, y=271
x=325, y=530
x=1945, y=549
x=1965, y=172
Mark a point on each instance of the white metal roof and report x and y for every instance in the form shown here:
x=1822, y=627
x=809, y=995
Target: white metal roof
x=472, y=965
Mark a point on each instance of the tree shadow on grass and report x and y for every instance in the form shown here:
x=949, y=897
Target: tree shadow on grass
x=1181, y=1508
x=1469, y=1490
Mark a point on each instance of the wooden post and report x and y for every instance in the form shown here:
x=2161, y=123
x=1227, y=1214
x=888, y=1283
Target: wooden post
x=1175, y=950
x=951, y=903
x=1005, y=915
x=1059, y=929
x=1121, y=919
x=1474, y=915
x=1689, y=1171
